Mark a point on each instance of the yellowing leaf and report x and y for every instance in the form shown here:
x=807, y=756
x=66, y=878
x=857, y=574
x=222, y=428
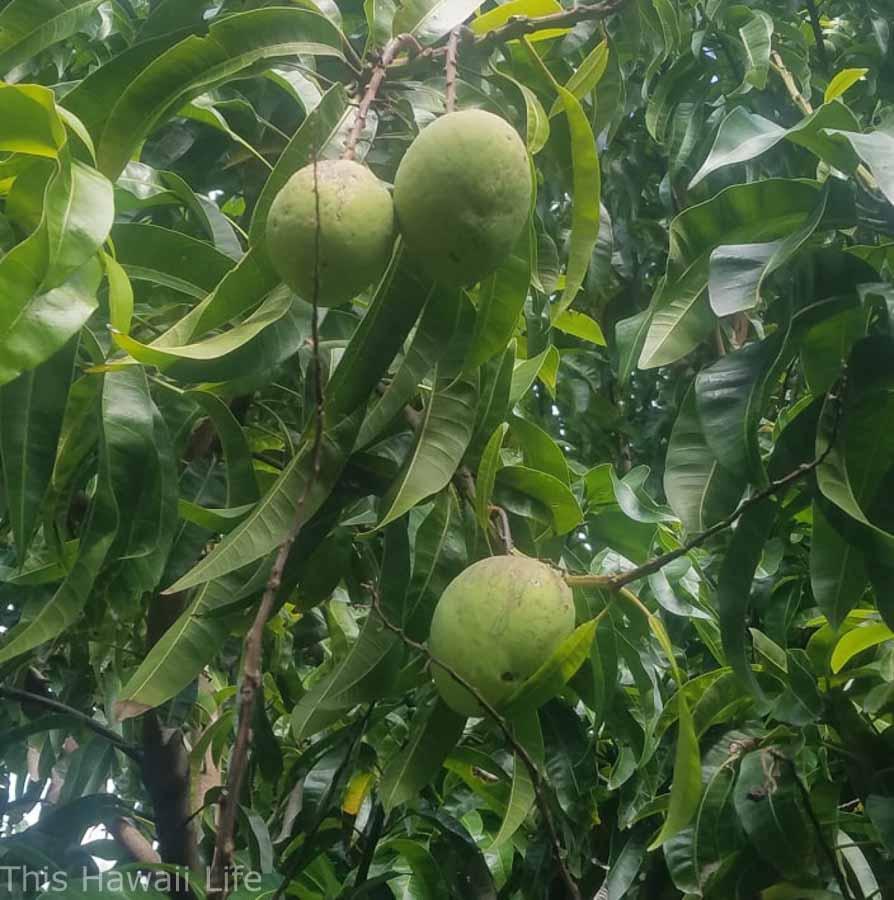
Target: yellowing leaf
x=580, y=325
x=843, y=81
x=494, y=18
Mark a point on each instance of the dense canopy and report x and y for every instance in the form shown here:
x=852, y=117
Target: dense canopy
x=228, y=510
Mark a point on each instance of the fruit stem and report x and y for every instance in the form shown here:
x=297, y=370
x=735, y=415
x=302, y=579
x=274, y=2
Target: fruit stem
x=450, y=68
x=392, y=48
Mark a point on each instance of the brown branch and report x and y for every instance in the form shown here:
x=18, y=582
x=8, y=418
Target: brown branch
x=450, y=69
x=616, y=582
x=521, y=26
x=506, y=729
x=392, y=48
x=137, y=845
x=252, y=674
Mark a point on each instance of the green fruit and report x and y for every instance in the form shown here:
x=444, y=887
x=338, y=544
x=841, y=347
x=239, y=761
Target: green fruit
x=356, y=230
x=462, y=195
x=495, y=625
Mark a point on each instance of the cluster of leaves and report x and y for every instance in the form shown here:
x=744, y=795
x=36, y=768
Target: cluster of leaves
x=701, y=304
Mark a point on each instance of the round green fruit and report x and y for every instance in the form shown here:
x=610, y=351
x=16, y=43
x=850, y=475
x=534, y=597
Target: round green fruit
x=495, y=625
x=356, y=230
x=462, y=195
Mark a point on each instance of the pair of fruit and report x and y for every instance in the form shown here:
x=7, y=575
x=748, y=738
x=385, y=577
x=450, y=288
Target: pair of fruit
x=461, y=198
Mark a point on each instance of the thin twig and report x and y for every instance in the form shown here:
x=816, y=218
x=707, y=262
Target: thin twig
x=616, y=582
x=252, y=674
x=450, y=69
x=520, y=26
x=505, y=530
x=806, y=107
x=506, y=729
x=97, y=728
x=392, y=48
x=817, y=33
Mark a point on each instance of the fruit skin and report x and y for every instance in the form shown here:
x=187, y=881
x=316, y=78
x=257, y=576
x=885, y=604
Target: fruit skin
x=462, y=195
x=356, y=233
x=495, y=624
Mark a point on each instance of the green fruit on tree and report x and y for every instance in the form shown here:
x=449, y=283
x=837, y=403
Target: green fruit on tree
x=462, y=195
x=495, y=625
x=355, y=236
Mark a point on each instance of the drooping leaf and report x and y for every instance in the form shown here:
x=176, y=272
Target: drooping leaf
x=31, y=410
x=443, y=435
x=434, y=734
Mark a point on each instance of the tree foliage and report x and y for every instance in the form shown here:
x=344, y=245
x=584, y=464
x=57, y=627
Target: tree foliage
x=226, y=516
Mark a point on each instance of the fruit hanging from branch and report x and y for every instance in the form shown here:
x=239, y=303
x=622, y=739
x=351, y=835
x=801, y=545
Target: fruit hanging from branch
x=462, y=195
x=356, y=230
x=495, y=624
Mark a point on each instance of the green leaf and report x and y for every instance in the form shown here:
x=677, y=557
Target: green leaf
x=737, y=271
x=554, y=674
x=29, y=121
x=398, y=299
x=28, y=27
x=699, y=490
x=756, y=35
x=120, y=294
x=536, y=120
x=439, y=322
x=31, y=410
x=771, y=813
x=580, y=325
x=586, y=76
x=500, y=15
x=242, y=487
x=857, y=640
x=430, y=20
x=841, y=82
x=564, y=510
x=501, y=299
x=875, y=149
x=170, y=258
x=442, y=438
x=190, y=643
x=278, y=511
x=686, y=787
x=757, y=212
x=435, y=732
x=526, y=730
x=838, y=576
x=428, y=880
x=540, y=451
x=365, y=674
x=743, y=136
x=734, y=586
x=198, y=64
x=731, y=396
x=487, y=474
x=100, y=529
x=270, y=335
x=587, y=190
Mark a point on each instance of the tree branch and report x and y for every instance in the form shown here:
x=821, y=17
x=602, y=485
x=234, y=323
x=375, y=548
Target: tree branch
x=252, y=674
x=506, y=729
x=97, y=728
x=817, y=33
x=616, y=582
x=450, y=69
x=392, y=48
